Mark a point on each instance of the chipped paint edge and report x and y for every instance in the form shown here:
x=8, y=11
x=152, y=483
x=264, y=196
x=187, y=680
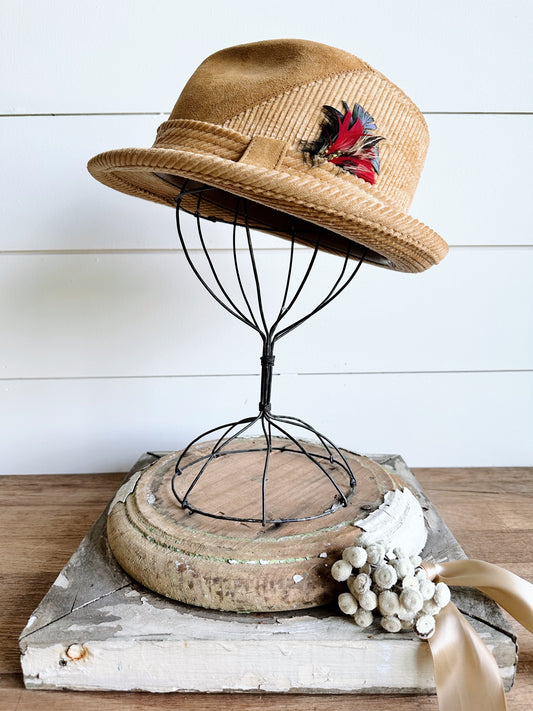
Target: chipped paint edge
x=125, y=490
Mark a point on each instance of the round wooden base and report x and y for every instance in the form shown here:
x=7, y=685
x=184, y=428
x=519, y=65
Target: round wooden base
x=240, y=566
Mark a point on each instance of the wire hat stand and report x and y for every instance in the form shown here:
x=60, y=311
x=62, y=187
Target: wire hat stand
x=266, y=434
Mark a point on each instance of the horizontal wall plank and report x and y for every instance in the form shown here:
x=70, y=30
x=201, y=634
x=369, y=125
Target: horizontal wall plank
x=71, y=426
x=131, y=56
x=51, y=202
x=147, y=314
x=465, y=193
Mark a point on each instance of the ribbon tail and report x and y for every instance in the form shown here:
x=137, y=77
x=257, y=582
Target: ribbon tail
x=467, y=677
x=510, y=591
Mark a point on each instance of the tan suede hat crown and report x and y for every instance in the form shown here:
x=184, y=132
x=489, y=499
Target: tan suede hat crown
x=295, y=128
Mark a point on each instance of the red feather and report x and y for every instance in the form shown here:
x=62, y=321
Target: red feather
x=347, y=136
x=353, y=148
x=356, y=166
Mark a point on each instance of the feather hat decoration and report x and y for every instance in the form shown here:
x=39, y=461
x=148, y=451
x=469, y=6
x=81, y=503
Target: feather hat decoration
x=346, y=141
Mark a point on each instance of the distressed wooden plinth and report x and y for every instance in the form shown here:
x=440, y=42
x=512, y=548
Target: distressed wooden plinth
x=242, y=566
x=97, y=628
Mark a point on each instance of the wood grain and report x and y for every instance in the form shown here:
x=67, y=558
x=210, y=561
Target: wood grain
x=86, y=495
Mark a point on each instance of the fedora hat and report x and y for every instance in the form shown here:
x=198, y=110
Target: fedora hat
x=318, y=143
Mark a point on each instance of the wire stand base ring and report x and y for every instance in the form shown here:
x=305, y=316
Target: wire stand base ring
x=261, y=462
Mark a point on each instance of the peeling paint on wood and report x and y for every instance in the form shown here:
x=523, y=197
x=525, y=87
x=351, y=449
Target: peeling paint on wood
x=99, y=629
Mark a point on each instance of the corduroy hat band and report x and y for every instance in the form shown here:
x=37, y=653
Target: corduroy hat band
x=313, y=138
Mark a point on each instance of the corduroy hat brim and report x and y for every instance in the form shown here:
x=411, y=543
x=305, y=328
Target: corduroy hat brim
x=329, y=204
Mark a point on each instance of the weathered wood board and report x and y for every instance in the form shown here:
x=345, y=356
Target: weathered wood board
x=98, y=629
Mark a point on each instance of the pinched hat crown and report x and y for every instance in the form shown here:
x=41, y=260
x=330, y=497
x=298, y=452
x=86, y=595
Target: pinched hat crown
x=236, y=78
x=302, y=130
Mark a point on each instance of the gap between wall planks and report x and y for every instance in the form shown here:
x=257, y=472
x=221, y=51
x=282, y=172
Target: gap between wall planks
x=488, y=510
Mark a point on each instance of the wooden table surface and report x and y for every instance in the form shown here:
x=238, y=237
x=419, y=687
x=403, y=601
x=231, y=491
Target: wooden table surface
x=43, y=519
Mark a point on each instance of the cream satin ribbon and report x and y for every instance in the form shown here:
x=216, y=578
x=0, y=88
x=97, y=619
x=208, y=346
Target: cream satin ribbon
x=467, y=677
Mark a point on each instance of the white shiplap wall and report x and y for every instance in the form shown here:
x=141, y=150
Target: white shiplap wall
x=109, y=346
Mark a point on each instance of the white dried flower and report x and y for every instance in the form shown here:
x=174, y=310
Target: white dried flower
x=368, y=600
x=410, y=582
x=421, y=574
x=427, y=588
x=403, y=567
x=347, y=603
x=385, y=576
x=425, y=626
x=430, y=607
x=388, y=602
x=405, y=615
x=411, y=600
x=375, y=553
x=363, y=618
x=407, y=598
x=349, y=583
x=360, y=584
x=391, y=623
x=355, y=556
x=341, y=570
x=442, y=594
